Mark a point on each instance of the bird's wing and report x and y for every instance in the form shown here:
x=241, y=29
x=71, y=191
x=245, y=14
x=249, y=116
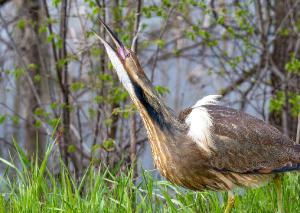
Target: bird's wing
x=244, y=144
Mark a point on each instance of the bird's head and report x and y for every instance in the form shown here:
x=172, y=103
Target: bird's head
x=135, y=81
x=125, y=63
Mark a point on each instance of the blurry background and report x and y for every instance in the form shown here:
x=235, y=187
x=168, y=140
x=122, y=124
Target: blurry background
x=56, y=82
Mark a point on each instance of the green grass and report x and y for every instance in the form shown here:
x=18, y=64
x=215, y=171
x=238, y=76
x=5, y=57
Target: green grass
x=35, y=188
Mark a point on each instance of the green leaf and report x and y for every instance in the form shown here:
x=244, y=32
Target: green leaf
x=42, y=29
x=96, y=10
x=284, y=32
x=126, y=113
x=204, y=34
x=105, y=77
x=39, y=111
x=71, y=149
x=96, y=147
x=98, y=99
x=119, y=95
x=213, y=43
x=162, y=90
x=221, y=19
x=51, y=37
x=21, y=24
x=190, y=35
x=2, y=119
x=53, y=105
x=54, y=122
x=146, y=12
x=108, y=144
x=11, y=165
x=38, y=124
x=18, y=72
x=202, y=5
x=231, y=32
x=92, y=112
x=55, y=3
x=22, y=154
x=96, y=51
x=61, y=62
x=59, y=42
x=37, y=78
x=77, y=86
x=166, y=3
x=32, y=66
x=277, y=102
x=15, y=119
x=294, y=100
x=160, y=43
x=116, y=111
x=108, y=122
x=293, y=66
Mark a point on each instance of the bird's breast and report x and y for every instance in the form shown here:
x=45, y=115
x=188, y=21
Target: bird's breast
x=179, y=161
x=191, y=170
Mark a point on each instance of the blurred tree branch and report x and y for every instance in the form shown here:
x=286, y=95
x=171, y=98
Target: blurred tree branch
x=2, y=2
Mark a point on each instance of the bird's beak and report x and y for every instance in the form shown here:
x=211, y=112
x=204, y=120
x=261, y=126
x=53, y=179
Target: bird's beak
x=121, y=51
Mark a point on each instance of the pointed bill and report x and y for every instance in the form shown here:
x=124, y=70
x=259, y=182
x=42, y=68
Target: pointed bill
x=120, y=47
x=112, y=35
x=116, y=59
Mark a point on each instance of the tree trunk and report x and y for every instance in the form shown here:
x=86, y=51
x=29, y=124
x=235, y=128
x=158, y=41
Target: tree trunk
x=284, y=46
x=31, y=46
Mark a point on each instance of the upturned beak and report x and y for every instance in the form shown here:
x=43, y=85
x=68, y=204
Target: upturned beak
x=120, y=48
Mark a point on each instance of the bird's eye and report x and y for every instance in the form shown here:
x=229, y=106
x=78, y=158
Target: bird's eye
x=123, y=53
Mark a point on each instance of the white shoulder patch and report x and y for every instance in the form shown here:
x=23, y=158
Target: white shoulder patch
x=208, y=100
x=200, y=122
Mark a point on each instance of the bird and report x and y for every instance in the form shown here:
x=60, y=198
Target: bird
x=207, y=146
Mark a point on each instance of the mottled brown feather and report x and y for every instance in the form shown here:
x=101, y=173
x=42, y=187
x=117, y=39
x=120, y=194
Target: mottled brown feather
x=245, y=144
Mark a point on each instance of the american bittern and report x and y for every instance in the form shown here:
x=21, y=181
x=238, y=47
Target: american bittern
x=208, y=146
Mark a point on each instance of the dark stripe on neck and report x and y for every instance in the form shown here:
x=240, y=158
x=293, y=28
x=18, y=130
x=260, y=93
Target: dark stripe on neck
x=155, y=113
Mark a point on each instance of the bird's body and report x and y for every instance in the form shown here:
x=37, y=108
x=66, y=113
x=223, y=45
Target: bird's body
x=207, y=146
x=236, y=149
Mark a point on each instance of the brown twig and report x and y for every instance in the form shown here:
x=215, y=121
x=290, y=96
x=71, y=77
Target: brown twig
x=2, y=2
x=16, y=49
x=298, y=130
x=238, y=82
x=62, y=55
x=164, y=28
x=102, y=60
x=27, y=77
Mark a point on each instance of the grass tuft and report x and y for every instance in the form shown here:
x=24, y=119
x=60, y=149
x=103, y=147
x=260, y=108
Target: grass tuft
x=34, y=188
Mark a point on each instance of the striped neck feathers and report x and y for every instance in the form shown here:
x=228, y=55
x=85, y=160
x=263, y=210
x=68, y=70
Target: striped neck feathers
x=141, y=91
x=144, y=96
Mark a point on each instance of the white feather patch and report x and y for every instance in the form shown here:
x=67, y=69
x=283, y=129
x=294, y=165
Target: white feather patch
x=200, y=122
x=208, y=100
x=118, y=66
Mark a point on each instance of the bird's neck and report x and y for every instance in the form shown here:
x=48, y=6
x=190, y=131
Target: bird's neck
x=152, y=107
x=165, y=132
x=157, y=117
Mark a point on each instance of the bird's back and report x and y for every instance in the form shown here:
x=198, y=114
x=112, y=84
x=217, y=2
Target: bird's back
x=244, y=150
x=249, y=145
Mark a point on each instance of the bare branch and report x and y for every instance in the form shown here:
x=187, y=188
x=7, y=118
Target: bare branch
x=62, y=55
x=2, y=2
x=298, y=130
x=238, y=82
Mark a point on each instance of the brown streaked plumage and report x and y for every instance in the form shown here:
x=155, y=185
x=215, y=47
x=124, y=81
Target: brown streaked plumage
x=208, y=146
